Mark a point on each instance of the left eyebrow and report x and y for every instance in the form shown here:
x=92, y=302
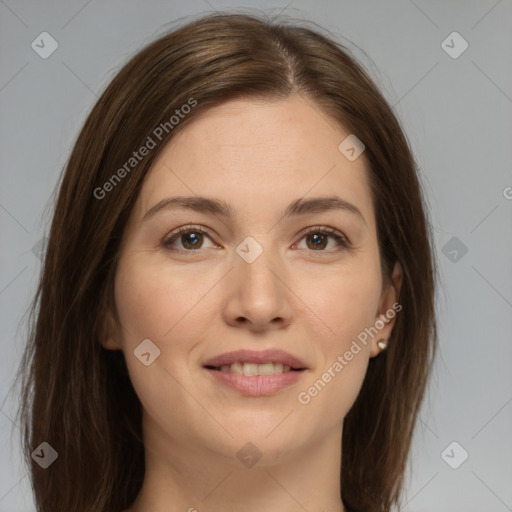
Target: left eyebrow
x=222, y=209
x=320, y=205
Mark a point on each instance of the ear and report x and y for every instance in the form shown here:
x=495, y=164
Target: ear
x=109, y=337
x=388, y=309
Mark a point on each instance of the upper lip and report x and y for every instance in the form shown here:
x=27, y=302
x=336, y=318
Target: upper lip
x=258, y=357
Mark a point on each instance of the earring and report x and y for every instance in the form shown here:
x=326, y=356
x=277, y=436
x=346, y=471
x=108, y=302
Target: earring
x=383, y=344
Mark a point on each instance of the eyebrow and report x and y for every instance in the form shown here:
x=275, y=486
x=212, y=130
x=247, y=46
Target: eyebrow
x=223, y=209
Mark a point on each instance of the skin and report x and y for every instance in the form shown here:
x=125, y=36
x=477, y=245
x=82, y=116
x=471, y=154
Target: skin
x=258, y=156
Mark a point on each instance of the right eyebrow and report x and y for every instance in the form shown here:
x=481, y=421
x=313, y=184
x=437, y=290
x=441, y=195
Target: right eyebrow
x=197, y=204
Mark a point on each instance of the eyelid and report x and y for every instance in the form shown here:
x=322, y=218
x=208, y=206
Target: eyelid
x=174, y=235
x=341, y=239
x=326, y=230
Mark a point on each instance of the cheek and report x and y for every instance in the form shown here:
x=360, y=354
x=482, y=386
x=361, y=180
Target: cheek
x=153, y=302
x=331, y=392
x=156, y=305
x=348, y=305
x=168, y=307
x=347, y=309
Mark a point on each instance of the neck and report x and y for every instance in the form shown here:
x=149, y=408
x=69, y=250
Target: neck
x=185, y=477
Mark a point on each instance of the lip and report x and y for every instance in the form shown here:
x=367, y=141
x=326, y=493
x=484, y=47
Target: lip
x=257, y=385
x=258, y=357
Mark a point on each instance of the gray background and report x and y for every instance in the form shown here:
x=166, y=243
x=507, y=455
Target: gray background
x=457, y=113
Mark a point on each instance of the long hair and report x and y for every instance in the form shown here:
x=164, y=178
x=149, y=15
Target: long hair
x=76, y=395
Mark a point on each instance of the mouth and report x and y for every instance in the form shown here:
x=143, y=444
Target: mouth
x=252, y=362
x=256, y=373
x=253, y=369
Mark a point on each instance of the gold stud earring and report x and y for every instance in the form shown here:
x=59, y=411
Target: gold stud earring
x=383, y=344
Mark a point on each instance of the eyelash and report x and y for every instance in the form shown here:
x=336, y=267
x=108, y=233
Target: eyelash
x=342, y=241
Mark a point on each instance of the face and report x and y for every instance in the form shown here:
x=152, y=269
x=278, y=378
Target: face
x=302, y=286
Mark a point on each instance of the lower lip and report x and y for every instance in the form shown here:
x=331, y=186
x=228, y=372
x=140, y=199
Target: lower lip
x=257, y=385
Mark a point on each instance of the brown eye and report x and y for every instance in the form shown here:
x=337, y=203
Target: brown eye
x=191, y=238
x=317, y=239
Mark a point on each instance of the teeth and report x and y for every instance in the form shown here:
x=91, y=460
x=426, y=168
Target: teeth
x=251, y=369
x=237, y=368
x=278, y=368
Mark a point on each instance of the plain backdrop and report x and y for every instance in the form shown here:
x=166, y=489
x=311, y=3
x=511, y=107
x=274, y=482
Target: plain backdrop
x=455, y=104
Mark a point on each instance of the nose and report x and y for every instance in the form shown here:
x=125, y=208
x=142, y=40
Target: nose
x=258, y=296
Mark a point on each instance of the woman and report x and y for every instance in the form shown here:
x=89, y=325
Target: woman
x=236, y=309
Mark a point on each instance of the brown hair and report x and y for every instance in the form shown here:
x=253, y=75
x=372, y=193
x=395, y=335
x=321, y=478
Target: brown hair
x=76, y=395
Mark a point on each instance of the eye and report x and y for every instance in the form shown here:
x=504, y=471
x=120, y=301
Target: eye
x=318, y=238
x=190, y=236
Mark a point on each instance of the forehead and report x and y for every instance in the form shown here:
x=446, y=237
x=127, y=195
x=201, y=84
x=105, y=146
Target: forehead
x=254, y=154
